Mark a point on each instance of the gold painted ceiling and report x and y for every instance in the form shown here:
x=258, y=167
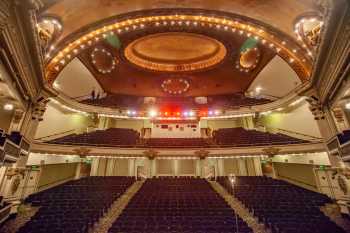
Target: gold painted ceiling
x=280, y=14
x=175, y=52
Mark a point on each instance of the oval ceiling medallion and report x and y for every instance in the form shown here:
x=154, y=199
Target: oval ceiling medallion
x=103, y=60
x=248, y=60
x=175, y=52
x=175, y=86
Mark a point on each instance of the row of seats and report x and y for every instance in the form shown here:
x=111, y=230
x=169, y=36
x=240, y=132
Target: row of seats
x=220, y=101
x=221, y=137
x=176, y=142
x=187, y=205
x=14, y=137
x=108, y=137
x=243, y=137
x=75, y=206
x=283, y=207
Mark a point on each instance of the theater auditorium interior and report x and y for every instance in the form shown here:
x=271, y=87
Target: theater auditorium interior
x=174, y=116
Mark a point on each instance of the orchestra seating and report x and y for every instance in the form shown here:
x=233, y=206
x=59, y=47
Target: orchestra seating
x=108, y=137
x=176, y=142
x=74, y=206
x=243, y=137
x=187, y=205
x=283, y=207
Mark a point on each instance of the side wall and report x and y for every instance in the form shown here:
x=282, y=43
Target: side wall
x=300, y=120
x=55, y=121
x=53, y=174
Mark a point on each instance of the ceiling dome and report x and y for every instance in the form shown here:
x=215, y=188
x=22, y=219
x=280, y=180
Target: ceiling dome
x=175, y=52
x=103, y=60
x=249, y=58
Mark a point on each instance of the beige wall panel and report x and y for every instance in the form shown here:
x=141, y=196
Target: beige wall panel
x=165, y=167
x=186, y=167
x=122, y=167
x=299, y=174
x=55, y=173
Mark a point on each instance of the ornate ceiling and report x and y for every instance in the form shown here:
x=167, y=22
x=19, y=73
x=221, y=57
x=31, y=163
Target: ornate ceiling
x=280, y=14
x=204, y=59
x=133, y=50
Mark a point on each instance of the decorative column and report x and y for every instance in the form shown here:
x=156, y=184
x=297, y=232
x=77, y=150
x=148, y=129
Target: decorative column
x=94, y=166
x=151, y=155
x=340, y=118
x=326, y=124
x=17, y=119
x=271, y=152
x=242, y=167
x=201, y=154
x=176, y=167
x=33, y=116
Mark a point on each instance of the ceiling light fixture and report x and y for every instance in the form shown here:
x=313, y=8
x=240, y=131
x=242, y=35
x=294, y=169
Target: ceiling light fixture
x=8, y=107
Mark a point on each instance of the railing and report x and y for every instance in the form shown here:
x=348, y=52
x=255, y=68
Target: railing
x=64, y=133
x=298, y=135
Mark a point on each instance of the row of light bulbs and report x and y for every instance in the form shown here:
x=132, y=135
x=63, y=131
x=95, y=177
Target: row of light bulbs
x=61, y=58
x=262, y=156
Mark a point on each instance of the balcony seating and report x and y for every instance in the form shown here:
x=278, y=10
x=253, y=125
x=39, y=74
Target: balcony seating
x=15, y=137
x=221, y=101
x=243, y=137
x=187, y=205
x=344, y=137
x=108, y=137
x=113, y=101
x=74, y=206
x=121, y=137
x=284, y=207
x=176, y=142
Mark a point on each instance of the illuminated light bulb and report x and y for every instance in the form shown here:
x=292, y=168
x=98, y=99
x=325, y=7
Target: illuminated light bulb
x=283, y=42
x=291, y=60
x=217, y=112
x=8, y=107
x=152, y=113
